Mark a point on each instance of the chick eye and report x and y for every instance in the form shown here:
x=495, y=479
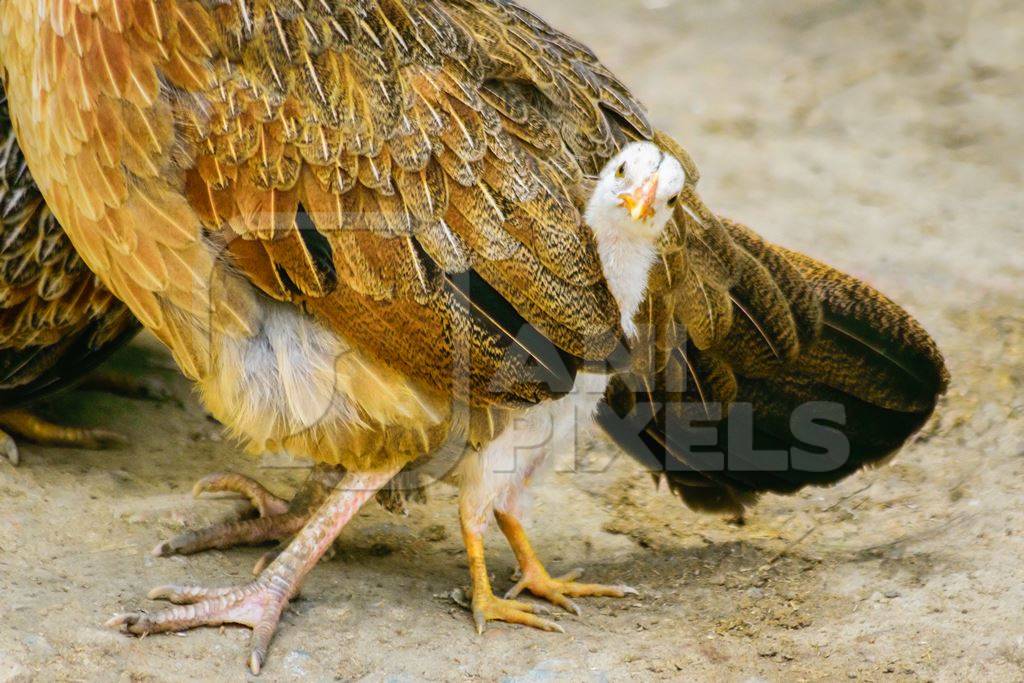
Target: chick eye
x=673, y=199
x=620, y=172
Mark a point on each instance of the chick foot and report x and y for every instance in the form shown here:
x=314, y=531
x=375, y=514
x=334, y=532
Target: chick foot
x=278, y=519
x=37, y=430
x=558, y=590
x=536, y=580
x=488, y=607
x=259, y=604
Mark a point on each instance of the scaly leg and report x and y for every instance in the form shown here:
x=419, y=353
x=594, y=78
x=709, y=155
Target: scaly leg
x=278, y=519
x=259, y=604
x=536, y=578
x=33, y=428
x=487, y=606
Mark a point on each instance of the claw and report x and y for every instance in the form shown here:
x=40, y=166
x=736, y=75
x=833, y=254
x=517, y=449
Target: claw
x=118, y=620
x=9, y=449
x=275, y=523
x=231, y=534
x=485, y=605
x=256, y=660
x=265, y=502
x=279, y=519
x=535, y=577
x=491, y=608
x=259, y=604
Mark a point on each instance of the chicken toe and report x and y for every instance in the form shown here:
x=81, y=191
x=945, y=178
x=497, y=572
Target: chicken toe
x=37, y=430
x=278, y=519
x=259, y=604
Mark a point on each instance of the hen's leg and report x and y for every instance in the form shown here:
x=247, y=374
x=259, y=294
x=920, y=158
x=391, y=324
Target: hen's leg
x=556, y=590
x=37, y=430
x=259, y=604
x=126, y=385
x=487, y=606
x=278, y=519
x=33, y=428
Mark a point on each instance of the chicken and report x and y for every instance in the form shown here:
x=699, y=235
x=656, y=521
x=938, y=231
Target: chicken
x=627, y=210
x=358, y=227
x=57, y=322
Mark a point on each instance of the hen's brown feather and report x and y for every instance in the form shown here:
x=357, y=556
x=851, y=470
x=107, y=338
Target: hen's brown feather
x=405, y=172
x=802, y=334
x=57, y=321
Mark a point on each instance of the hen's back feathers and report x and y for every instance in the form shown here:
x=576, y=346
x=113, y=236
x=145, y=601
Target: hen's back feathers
x=816, y=366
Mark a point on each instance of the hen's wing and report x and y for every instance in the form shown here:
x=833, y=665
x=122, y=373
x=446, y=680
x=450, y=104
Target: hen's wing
x=812, y=363
x=57, y=322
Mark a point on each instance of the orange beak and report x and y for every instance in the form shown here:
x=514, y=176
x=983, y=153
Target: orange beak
x=640, y=204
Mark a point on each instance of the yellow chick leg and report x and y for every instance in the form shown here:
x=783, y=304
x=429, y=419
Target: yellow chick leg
x=487, y=606
x=556, y=590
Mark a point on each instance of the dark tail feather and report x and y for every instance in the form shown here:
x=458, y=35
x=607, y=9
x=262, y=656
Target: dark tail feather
x=851, y=398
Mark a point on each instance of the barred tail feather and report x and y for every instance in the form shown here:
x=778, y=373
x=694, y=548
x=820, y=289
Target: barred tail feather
x=862, y=385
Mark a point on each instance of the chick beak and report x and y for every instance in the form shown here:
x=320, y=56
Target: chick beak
x=640, y=203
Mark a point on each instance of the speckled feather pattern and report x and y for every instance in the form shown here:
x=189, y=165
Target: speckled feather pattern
x=800, y=332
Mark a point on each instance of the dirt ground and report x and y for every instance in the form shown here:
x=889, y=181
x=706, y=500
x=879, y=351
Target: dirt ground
x=882, y=135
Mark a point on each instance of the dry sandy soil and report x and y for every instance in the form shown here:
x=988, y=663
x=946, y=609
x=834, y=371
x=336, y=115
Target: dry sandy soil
x=885, y=136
